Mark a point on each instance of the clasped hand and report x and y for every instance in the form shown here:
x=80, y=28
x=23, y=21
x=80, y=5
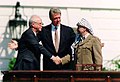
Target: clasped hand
x=13, y=45
x=57, y=60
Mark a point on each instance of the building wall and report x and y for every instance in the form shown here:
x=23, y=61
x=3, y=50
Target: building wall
x=7, y=13
x=104, y=21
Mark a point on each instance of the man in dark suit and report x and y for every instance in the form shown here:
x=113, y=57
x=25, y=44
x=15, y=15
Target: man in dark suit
x=29, y=49
x=66, y=37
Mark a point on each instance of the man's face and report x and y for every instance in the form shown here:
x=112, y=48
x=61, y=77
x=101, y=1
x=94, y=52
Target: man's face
x=56, y=19
x=38, y=25
x=81, y=30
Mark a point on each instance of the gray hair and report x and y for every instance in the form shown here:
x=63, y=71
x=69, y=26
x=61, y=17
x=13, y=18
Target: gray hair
x=33, y=19
x=54, y=11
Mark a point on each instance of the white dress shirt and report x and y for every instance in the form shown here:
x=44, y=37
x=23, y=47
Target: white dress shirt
x=53, y=33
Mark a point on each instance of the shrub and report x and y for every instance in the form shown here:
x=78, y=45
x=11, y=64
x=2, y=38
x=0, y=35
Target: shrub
x=11, y=63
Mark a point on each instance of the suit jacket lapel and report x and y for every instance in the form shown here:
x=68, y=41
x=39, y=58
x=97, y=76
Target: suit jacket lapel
x=34, y=35
x=31, y=32
x=61, y=37
x=49, y=36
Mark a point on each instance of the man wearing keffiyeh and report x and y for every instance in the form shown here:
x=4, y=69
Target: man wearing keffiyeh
x=88, y=51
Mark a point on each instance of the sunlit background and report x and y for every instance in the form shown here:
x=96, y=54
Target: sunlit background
x=104, y=16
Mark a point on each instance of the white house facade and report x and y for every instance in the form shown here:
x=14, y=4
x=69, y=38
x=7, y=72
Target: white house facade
x=104, y=16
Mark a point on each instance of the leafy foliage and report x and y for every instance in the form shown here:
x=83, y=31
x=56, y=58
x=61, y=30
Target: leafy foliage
x=11, y=63
x=117, y=64
x=113, y=66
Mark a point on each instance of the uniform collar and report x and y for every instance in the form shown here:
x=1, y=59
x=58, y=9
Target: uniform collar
x=86, y=35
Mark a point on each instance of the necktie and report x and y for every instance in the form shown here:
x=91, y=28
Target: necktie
x=56, y=39
x=83, y=38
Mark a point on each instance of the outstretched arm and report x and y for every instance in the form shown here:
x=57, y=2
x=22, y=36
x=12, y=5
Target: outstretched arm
x=13, y=44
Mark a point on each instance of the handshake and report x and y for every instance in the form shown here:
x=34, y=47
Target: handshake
x=13, y=45
x=56, y=59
